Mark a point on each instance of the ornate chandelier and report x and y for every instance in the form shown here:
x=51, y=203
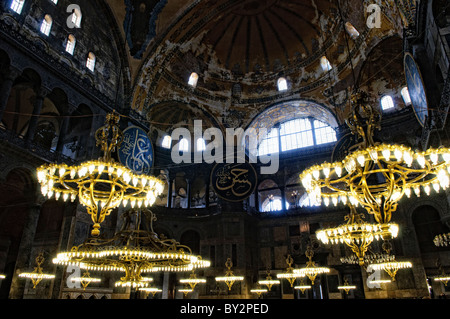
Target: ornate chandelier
x=311, y=270
x=86, y=279
x=37, y=275
x=290, y=273
x=148, y=290
x=302, y=287
x=376, y=176
x=101, y=185
x=346, y=286
x=229, y=277
x=258, y=291
x=192, y=281
x=357, y=234
x=368, y=258
x=132, y=250
x=269, y=282
x=392, y=267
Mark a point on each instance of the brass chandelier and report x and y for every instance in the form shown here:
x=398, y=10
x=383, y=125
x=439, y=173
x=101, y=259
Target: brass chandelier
x=311, y=270
x=101, y=185
x=229, y=277
x=290, y=275
x=375, y=176
x=357, y=234
x=37, y=275
x=134, y=250
x=442, y=240
x=269, y=281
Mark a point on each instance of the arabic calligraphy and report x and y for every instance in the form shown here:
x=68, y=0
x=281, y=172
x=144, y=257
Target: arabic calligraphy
x=136, y=151
x=416, y=89
x=233, y=182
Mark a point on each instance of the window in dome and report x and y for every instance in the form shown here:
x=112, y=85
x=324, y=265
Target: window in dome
x=282, y=84
x=326, y=66
x=90, y=62
x=46, y=24
x=193, y=78
x=76, y=17
x=296, y=134
x=405, y=95
x=55, y=1
x=184, y=145
x=70, y=45
x=324, y=133
x=17, y=5
x=167, y=141
x=387, y=103
x=201, y=146
x=351, y=30
x=269, y=144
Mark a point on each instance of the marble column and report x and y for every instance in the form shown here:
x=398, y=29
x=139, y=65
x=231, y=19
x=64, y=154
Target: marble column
x=24, y=260
x=170, y=191
x=40, y=96
x=188, y=192
x=5, y=89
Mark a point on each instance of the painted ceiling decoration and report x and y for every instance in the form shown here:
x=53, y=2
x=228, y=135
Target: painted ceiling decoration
x=240, y=48
x=140, y=24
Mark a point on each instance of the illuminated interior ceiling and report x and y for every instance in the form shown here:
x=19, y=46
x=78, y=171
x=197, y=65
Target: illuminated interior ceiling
x=239, y=48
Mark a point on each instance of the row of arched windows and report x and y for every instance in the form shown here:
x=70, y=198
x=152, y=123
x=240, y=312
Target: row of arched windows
x=46, y=26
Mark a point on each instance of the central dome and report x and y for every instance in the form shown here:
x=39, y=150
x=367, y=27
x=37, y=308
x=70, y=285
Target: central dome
x=269, y=35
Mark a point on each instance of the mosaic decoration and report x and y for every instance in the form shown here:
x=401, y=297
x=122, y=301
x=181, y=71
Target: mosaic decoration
x=136, y=150
x=140, y=23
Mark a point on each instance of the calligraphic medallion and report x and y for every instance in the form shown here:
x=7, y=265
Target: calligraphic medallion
x=136, y=150
x=233, y=182
x=416, y=88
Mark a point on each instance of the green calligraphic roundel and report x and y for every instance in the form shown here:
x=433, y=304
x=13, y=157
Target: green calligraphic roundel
x=233, y=181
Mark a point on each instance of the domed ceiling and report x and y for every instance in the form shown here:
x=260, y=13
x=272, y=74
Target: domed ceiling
x=239, y=49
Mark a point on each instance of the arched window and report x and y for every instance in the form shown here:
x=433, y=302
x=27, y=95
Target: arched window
x=167, y=141
x=55, y=1
x=306, y=201
x=282, y=84
x=296, y=134
x=325, y=64
x=90, y=62
x=201, y=146
x=193, y=78
x=46, y=24
x=351, y=30
x=405, y=95
x=324, y=133
x=387, y=103
x=70, y=45
x=270, y=143
x=17, y=5
x=76, y=17
x=273, y=204
x=184, y=145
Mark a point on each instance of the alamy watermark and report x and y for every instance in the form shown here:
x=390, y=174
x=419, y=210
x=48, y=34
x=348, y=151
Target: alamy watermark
x=219, y=146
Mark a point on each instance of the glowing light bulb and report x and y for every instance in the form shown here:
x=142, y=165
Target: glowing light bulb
x=386, y=154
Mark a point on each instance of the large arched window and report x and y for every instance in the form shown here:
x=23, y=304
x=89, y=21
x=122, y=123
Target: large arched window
x=201, y=145
x=288, y=126
x=273, y=204
x=167, y=141
x=295, y=134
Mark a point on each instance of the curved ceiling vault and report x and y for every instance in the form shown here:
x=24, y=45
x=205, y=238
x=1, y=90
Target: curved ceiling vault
x=239, y=48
